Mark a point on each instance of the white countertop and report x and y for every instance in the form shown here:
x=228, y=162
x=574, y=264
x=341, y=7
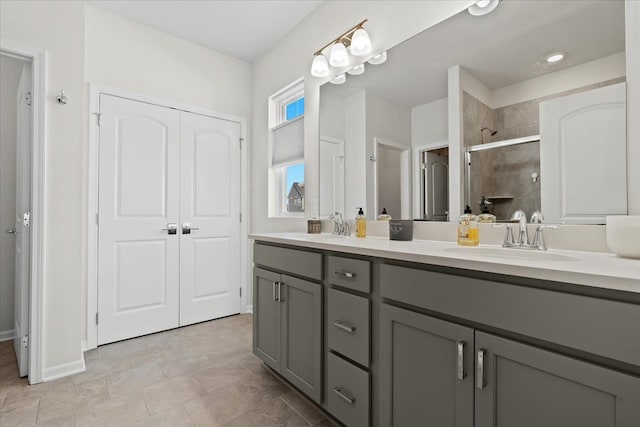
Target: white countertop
x=594, y=269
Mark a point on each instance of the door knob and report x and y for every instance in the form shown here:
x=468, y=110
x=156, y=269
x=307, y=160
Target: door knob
x=11, y=231
x=186, y=228
x=172, y=228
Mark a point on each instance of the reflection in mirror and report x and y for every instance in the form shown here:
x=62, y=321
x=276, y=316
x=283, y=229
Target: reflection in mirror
x=488, y=77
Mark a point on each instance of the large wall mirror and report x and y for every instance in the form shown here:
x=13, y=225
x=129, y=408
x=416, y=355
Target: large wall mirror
x=529, y=133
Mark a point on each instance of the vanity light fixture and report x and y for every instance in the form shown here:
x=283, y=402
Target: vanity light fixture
x=357, y=70
x=483, y=7
x=339, y=79
x=354, y=41
x=380, y=58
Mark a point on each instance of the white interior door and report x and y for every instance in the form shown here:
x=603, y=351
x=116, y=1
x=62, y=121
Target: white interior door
x=331, y=176
x=138, y=269
x=436, y=182
x=583, y=166
x=22, y=219
x=210, y=205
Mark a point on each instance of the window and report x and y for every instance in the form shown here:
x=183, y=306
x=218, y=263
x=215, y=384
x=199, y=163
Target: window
x=286, y=154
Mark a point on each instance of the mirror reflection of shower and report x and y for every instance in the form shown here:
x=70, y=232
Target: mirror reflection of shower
x=492, y=131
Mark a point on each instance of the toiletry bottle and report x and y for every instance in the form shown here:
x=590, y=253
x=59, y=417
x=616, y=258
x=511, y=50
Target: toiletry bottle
x=384, y=216
x=361, y=224
x=468, y=229
x=486, y=216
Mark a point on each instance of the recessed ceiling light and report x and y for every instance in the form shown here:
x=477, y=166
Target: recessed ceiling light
x=554, y=57
x=483, y=7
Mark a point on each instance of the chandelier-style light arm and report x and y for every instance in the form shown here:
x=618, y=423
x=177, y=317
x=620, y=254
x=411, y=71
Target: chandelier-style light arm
x=346, y=35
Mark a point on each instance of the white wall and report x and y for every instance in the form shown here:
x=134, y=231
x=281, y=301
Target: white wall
x=332, y=116
x=126, y=55
x=632, y=34
x=38, y=24
x=355, y=153
x=390, y=22
x=10, y=71
x=429, y=123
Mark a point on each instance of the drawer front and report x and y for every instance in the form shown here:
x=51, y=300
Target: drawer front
x=593, y=325
x=348, y=325
x=350, y=273
x=301, y=263
x=347, y=392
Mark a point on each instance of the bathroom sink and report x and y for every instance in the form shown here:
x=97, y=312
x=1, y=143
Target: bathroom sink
x=515, y=254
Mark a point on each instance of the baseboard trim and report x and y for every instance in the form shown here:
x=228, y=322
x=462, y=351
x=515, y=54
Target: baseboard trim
x=7, y=335
x=249, y=309
x=63, y=370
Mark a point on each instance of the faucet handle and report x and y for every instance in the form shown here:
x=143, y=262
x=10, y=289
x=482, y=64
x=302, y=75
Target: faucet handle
x=538, y=238
x=508, y=236
x=536, y=218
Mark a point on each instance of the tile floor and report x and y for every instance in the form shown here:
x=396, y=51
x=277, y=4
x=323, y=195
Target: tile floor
x=200, y=375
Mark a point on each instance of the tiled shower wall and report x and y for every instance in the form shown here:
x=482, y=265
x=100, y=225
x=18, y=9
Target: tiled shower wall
x=505, y=173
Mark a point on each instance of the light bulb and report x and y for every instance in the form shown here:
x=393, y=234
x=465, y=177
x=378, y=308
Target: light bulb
x=339, y=79
x=360, y=43
x=339, y=56
x=378, y=59
x=555, y=57
x=357, y=70
x=319, y=66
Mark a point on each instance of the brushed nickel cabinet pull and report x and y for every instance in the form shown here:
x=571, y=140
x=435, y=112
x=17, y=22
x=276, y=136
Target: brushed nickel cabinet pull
x=350, y=400
x=480, y=382
x=341, y=325
x=460, y=371
x=345, y=274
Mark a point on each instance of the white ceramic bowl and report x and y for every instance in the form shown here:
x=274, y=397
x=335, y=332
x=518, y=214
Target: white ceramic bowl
x=623, y=235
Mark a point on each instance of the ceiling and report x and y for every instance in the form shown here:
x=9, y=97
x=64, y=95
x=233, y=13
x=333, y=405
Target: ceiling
x=499, y=49
x=240, y=28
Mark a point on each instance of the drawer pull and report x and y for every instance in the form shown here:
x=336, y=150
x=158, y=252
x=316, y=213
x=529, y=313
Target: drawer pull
x=341, y=325
x=350, y=400
x=345, y=274
x=480, y=382
x=275, y=292
x=460, y=370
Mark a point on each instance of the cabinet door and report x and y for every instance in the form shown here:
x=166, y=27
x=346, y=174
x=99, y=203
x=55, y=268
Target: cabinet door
x=302, y=335
x=424, y=381
x=266, y=317
x=529, y=387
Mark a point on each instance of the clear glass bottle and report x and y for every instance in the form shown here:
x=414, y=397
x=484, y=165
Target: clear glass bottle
x=384, y=216
x=361, y=224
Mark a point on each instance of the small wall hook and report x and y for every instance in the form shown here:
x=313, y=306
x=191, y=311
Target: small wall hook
x=62, y=98
x=534, y=177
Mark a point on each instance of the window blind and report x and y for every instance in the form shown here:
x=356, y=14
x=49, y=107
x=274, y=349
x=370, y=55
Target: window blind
x=288, y=142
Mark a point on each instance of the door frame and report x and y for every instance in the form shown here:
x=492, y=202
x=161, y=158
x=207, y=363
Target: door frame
x=95, y=90
x=418, y=193
x=38, y=58
x=340, y=142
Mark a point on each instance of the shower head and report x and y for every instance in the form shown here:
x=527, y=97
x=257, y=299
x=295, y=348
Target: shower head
x=493, y=132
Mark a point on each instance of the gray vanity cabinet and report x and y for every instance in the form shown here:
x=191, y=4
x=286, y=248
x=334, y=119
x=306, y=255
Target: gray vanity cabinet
x=287, y=319
x=521, y=385
x=426, y=370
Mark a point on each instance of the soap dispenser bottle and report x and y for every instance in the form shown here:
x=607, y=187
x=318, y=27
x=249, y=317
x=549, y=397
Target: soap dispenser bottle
x=468, y=229
x=361, y=224
x=486, y=215
x=384, y=216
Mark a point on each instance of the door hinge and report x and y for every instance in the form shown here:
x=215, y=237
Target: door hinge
x=26, y=219
x=240, y=216
x=25, y=341
x=240, y=292
x=97, y=219
x=27, y=98
x=96, y=318
x=98, y=119
x=424, y=166
x=240, y=141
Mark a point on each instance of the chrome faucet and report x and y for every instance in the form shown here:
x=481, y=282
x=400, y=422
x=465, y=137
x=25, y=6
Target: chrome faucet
x=522, y=242
x=340, y=226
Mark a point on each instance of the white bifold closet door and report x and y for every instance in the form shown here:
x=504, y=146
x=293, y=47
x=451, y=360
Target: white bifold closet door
x=161, y=169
